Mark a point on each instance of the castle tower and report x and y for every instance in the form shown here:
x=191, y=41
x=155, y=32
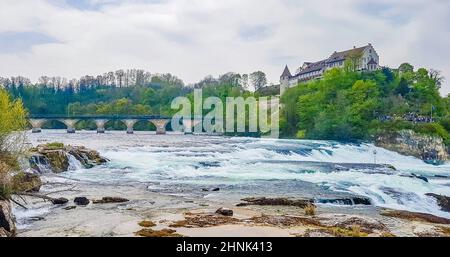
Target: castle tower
x=284, y=80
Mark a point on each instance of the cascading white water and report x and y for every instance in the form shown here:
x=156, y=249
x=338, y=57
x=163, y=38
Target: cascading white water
x=190, y=162
x=74, y=164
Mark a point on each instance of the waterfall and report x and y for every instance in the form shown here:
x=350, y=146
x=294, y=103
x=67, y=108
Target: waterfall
x=74, y=164
x=40, y=163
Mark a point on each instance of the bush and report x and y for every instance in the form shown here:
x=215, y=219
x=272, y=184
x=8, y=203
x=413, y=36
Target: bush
x=54, y=145
x=434, y=129
x=310, y=210
x=5, y=181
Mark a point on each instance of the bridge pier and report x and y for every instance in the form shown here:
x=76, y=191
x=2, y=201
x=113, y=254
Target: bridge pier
x=70, y=124
x=160, y=125
x=189, y=125
x=130, y=125
x=36, y=125
x=100, y=126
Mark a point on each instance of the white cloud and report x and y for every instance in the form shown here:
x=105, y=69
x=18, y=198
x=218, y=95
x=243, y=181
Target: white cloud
x=199, y=37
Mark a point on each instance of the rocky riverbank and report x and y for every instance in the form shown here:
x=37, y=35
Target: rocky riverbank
x=53, y=157
x=429, y=148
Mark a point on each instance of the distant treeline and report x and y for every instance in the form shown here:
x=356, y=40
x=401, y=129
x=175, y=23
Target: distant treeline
x=133, y=92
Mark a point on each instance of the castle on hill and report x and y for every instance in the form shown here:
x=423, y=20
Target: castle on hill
x=365, y=57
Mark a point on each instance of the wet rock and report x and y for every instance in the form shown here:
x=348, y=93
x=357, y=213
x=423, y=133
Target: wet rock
x=109, y=199
x=361, y=201
x=224, y=212
x=81, y=201
x=347, y=201
x=7, y=225
x=60, y=201
x=442, y=200
x=420, y=177
x=37, y=218
x=68, y=208
x=215, y=189
x=55, y=157
x=417, y=216
x=302, y=203
x=205, y=190
x=26, y=182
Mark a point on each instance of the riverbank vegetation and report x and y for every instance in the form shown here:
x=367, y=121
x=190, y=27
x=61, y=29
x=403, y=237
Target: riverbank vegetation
x=348, y=105
x=13, y=121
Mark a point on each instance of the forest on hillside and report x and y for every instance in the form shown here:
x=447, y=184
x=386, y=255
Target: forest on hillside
x=351, y=105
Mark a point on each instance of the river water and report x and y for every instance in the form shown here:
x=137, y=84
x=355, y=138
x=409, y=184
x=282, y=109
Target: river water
x=182, y=165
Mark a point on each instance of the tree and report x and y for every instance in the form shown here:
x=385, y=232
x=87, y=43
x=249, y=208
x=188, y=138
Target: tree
x=405, y=67
x=402, y=88
x=258, y=79
x=12, y=121
x=436, y=76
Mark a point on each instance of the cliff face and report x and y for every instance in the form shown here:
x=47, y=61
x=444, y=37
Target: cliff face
x=431, y=149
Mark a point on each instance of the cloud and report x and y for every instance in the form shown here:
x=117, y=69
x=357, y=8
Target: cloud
x=19, y=42
x=194, y=38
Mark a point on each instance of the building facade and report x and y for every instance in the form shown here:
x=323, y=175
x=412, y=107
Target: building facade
x=364, y=58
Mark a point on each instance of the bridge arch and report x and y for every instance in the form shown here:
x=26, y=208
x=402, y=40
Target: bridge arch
x=38, y=124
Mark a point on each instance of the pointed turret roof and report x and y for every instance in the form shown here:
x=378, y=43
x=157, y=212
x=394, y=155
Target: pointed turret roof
x=286, y=73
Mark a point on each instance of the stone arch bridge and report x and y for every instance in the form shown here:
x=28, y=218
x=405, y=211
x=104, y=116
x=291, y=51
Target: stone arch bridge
x=160, y=122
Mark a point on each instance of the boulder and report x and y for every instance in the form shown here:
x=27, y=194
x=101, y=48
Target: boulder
x=302, y=203
x=7, y=225
x=215, y=189
x=109, y=199
x=26, y=182
x=417, y=216
x=60, y=201
x=442, y=200
x=68, y=208
x=81, y=201
x=55, y=157
x=224, y=212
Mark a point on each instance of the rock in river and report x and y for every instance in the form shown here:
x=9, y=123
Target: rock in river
x=60, y=201
x=442, y=200
x=109, y=199
x=302, y=203
x=81, y=201
x=56, y=157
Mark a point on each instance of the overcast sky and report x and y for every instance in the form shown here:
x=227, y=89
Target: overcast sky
x=195, y=38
